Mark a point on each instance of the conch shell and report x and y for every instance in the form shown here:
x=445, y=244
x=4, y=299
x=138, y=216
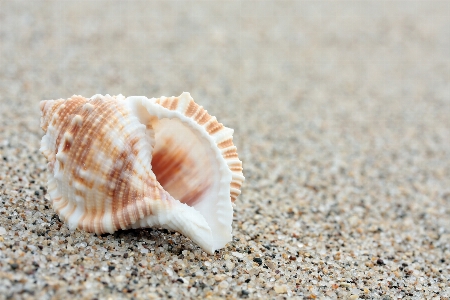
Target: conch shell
x=117, y=163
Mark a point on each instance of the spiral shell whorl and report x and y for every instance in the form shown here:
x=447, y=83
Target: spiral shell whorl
x=109, y=140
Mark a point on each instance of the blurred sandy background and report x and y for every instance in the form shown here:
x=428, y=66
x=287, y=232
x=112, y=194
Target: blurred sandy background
x=341, y=111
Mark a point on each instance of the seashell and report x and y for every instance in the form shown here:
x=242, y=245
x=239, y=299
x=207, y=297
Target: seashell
x=117, y=163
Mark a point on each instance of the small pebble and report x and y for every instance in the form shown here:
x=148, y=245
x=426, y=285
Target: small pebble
x=270, y=265
x=280, y=289
x=258, y=260
x=223, y=285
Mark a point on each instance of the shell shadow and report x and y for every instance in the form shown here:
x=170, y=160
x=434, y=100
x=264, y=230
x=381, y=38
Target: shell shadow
x=151, y=239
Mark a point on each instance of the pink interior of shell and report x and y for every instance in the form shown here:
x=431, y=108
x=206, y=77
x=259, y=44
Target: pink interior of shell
x=182, y=163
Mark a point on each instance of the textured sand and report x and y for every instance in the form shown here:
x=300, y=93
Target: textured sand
x=341, y=113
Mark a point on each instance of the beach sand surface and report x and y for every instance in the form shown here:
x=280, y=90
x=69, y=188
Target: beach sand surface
x=341, y=112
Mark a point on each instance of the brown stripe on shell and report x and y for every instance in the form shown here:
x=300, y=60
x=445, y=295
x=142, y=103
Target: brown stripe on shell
x=191, y=109
x=170, y=103
x=48, y=112
x=203, y=117
x=230, y=153
x=131, y=206
x=62, y=203
x=214, y=127
x=174, y=104
x=236, y=167
x=62, y=117
x=167, y=165
x=165, y=102
x=120, y=188
x=71, y=211
x=122, y=194
x=235, y=185
x=225, y=144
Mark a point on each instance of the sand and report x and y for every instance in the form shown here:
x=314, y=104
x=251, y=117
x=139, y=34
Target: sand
x=341, y=113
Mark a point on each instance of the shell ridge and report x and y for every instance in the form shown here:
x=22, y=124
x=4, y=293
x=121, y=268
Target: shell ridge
x=184, y=100
x=90, y=221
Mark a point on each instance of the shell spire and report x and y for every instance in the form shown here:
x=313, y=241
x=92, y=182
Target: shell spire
x=118, y=163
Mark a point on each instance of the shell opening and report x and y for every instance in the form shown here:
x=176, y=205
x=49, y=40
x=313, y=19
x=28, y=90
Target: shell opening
x=188, y=165
x=181, y=165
